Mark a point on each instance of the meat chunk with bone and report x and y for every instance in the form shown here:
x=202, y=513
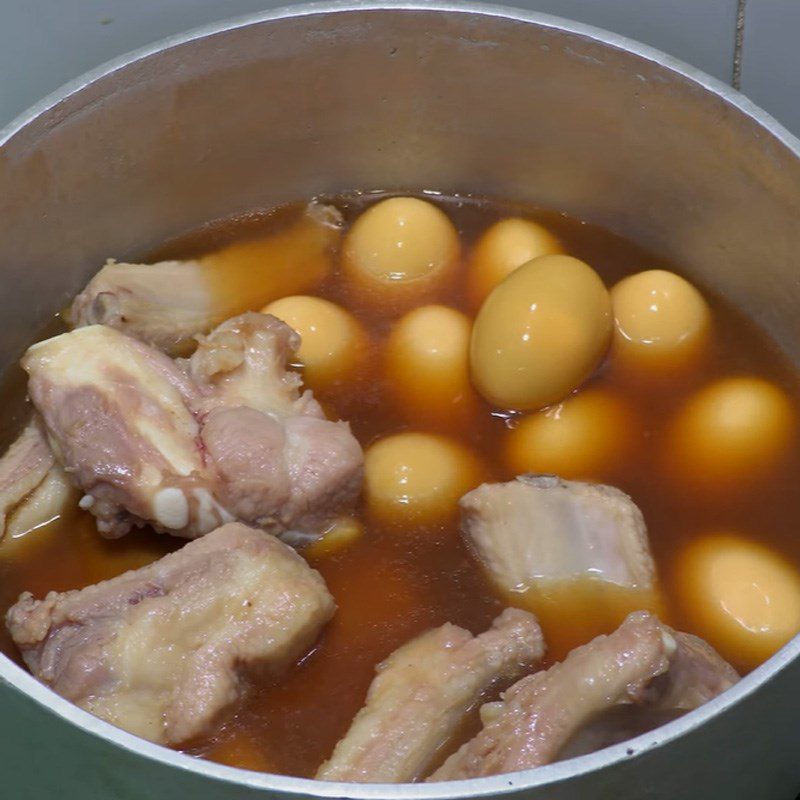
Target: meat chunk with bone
x=560, y=547
x=118, y=414
x=167, y=304
x=541, y=713
x=422, y=693
x=160, y=651
x=696, y=674
x=539, y=528
x=189, y=445
x=256, y=422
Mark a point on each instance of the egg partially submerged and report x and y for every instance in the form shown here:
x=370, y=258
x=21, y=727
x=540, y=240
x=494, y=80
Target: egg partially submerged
x=540, y=333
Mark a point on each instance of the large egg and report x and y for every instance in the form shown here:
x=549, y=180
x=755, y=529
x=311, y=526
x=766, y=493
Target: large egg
x=502, y=248
x=400, y=251
x=540, y=333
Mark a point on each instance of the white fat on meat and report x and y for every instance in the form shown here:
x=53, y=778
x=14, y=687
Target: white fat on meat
x=51, y=499
x=539, y=530
x=23, y=468
x=422, y=694
x=161, y=651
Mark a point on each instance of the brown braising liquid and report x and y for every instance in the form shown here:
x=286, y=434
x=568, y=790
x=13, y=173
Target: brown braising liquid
x=393, y=584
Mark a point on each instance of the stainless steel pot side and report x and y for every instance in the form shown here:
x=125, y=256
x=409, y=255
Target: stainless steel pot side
x=441, y=96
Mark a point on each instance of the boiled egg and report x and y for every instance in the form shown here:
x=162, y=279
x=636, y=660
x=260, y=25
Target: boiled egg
x=332, y=342
x=427, y=365
x=540, y=333
x=418, y=477
x=742, y=597
x=400, y=251
x=586, y=436
x=661, y=323
x=502, y=248
x=730, y=433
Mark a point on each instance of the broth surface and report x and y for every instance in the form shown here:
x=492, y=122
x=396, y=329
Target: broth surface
x=394, y=583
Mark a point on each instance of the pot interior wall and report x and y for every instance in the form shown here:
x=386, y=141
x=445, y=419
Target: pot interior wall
x=396, y=99
x=393, y=99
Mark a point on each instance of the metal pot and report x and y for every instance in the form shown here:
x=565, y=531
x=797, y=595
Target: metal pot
x=446, y=96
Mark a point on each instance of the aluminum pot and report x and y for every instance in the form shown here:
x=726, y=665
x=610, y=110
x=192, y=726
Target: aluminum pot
x=445, y=96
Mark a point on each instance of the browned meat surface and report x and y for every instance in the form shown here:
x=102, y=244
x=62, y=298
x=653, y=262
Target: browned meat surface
x=422, y=693
x=168, y=303
x=617, y=686
x=539, y=714
x=160, y=651
x=23, y=467
x=538, y=529
x=189, y=445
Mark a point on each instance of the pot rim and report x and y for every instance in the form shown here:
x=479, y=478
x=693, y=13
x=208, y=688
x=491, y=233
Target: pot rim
x=16, y=678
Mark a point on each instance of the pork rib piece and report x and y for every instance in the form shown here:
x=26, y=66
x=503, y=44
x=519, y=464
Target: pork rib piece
x=256, y=422
x=542, y=713
x=539, y=529
x=159, y=651
x=696, y=674
x=189, y=445
x=168, y=303
x=23, y=467
x=118, y=414
x=422, y=693
x=539, y=713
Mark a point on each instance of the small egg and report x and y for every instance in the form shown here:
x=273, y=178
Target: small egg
x=741, y=596
x=332, y=341
x=400, y=250
x=540, y=333
x=661, y=322
x=418, y=477
x=586, y=436
x=427, y=365
x=730, y=433
x=502, y=248
x=343, y=533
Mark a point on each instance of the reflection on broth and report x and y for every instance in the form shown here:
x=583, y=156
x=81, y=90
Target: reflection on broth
x=398, y=373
